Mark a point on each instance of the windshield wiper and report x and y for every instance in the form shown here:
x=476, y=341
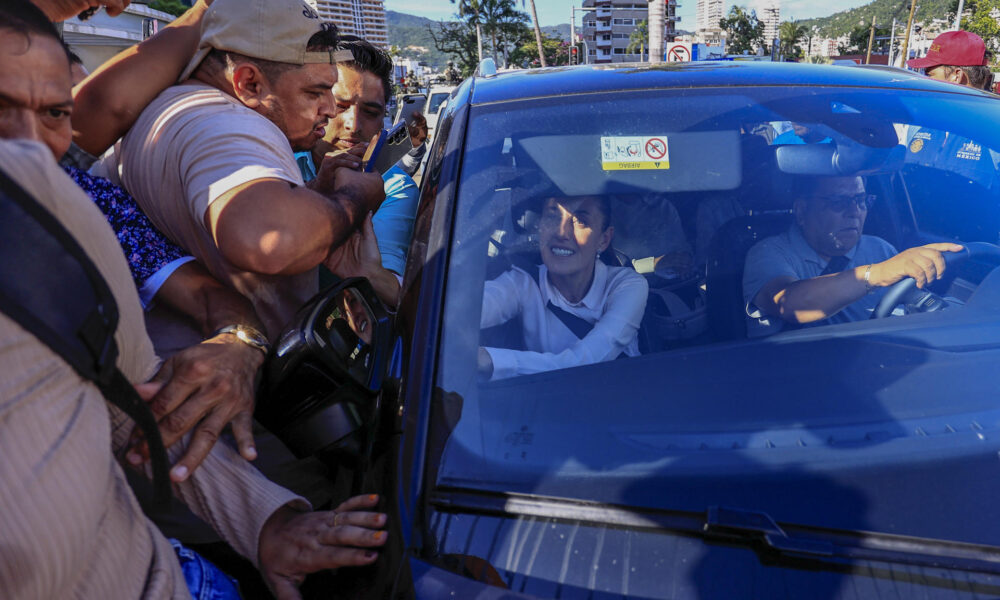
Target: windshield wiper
x=745, y=525
x=738, y=525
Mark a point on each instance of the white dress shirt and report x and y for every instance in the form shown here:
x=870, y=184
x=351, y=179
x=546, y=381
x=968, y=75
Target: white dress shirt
x=614, y=304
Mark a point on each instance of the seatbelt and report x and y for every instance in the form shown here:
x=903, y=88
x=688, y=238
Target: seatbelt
x=68, y=306
x=578, y=326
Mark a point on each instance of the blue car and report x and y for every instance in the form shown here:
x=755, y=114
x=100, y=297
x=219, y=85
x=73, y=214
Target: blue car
x=689, y=443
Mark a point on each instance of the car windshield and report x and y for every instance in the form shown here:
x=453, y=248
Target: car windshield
x=603, y=320
x=435, y=102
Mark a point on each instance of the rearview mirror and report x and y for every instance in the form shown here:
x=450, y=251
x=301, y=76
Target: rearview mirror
x=842, y=158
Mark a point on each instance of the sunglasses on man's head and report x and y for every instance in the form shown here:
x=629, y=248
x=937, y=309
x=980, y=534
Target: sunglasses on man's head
x=842, y=203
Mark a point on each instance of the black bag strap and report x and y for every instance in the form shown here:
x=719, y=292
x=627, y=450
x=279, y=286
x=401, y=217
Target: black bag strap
x=51, y=288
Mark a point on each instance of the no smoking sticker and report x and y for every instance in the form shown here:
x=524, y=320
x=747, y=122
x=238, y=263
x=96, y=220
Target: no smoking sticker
x=635, y=153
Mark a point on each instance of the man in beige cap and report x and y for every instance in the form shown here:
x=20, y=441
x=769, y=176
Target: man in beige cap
x=211, y=161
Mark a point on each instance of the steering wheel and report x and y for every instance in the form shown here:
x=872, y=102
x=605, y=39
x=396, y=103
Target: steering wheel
x=902, y=289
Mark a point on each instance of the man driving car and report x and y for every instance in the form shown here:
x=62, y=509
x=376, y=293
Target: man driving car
x=823, y=270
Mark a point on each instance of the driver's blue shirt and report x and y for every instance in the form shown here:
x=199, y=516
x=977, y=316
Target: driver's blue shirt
x=788, y=254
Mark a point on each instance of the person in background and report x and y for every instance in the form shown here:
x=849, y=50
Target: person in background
x=361, y=94
x=958, y=57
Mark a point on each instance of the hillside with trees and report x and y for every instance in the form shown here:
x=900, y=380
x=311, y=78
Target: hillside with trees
x=844, y=22
x=412, y=36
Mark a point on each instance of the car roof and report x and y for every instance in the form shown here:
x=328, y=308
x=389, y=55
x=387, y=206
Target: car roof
x=555, y=81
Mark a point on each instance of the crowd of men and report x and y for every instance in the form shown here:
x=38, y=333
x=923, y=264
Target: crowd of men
x=219, y=235
x=230, y=171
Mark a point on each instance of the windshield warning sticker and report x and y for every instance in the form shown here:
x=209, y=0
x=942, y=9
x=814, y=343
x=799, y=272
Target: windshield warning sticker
x=634, y=153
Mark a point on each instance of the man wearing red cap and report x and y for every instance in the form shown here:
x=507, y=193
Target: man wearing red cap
x=957, y=57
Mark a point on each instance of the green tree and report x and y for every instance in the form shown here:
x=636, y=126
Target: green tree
x=744, y=31
x=638, y=40
x=983, y=22
x=557, y=53
x=857, y=41
x=174, y=7
x=458, y=40
x=501, y=20
x=968, y=8
x=790, y=35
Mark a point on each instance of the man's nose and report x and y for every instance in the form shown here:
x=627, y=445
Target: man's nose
x=19, y=124
x=328, y=108
x=349, y=118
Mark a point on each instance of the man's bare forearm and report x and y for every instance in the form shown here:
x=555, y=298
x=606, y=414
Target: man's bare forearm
x=809, y=300
x=108, y=102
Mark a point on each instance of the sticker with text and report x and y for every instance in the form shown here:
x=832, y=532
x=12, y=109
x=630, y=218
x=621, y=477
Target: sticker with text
x=634, y=153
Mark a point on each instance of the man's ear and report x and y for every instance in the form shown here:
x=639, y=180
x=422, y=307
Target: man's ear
x=959, y=76
x=249, y=84
x=799, y=210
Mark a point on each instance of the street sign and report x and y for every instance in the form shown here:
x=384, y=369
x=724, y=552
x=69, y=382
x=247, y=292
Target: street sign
x=679, y=52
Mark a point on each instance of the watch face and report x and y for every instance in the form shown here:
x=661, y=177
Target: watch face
x=251, y=337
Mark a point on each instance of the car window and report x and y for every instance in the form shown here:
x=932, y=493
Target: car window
x=435, y=102
x=691, y=181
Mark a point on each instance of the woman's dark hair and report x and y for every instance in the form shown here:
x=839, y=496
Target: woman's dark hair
x=369, y=59
x=21, y=16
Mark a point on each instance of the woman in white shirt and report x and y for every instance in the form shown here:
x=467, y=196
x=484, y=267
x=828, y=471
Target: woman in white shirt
x=577, y=310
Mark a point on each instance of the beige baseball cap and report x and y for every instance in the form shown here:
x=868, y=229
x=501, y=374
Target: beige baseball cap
x=275, y=30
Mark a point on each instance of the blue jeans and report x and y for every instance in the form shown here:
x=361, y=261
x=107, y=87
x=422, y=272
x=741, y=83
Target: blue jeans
x=204, y=580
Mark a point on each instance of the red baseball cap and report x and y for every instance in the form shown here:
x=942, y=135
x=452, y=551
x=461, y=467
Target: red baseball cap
x=955, y=49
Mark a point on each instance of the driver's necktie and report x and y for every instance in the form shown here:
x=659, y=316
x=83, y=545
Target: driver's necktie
x=836, y=265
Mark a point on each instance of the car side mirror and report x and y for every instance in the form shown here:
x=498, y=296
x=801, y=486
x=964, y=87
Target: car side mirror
x=318, y=384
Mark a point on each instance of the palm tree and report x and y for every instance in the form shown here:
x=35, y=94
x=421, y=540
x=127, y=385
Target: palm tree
x=789, y=36
x=538, y=32
x=498, y=16
x=472, y=8
x=638, y=39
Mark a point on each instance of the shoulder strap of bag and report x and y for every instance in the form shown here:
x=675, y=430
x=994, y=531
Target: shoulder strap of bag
x=51, y=288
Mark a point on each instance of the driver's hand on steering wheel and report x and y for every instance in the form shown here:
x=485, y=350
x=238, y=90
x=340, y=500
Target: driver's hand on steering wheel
x=925, y=264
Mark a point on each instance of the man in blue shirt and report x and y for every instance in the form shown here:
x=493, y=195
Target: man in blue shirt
x=823, y=270
x=361, y=93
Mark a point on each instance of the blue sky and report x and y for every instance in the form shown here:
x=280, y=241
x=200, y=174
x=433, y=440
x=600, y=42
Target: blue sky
x=553, y=12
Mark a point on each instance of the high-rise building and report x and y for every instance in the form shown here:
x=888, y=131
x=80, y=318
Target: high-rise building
x=709, y=13
x=608, y=25
x=363, y=18
x=770, y=15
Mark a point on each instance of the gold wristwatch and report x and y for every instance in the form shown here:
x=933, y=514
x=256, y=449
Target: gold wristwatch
x=248, y=335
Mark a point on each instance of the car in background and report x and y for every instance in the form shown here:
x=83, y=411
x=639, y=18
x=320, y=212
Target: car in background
x=853, y=460
x=437, y=96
